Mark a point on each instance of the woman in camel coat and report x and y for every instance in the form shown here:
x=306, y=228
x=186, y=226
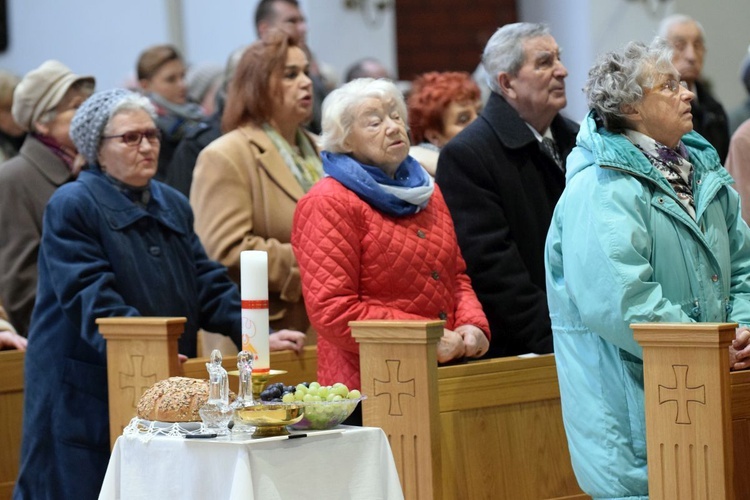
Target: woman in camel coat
x=246, y=184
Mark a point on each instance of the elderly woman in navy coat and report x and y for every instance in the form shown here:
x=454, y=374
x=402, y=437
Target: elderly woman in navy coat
x=115, y=243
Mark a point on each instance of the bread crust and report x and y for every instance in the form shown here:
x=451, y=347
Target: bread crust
x=176, y=399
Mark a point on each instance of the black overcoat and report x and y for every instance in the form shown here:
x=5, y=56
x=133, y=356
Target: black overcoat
x=501, y=190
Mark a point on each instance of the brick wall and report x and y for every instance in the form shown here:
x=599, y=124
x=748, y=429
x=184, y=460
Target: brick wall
x=442, y=35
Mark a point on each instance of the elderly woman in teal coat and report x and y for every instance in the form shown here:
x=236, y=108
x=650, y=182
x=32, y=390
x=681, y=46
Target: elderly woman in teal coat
x=648, y=229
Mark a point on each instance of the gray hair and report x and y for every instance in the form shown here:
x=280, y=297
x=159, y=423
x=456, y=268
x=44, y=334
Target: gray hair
x=666, y=24
x=131, y=102
x=504, y=52
x=618, y=78
x=339, y=106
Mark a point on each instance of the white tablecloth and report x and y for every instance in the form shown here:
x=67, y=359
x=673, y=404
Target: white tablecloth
x=354, y=464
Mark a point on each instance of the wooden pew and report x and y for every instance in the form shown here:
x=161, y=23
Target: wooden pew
x=485, y=429
x=11, y=418
x=697, y=412
x=140, y=352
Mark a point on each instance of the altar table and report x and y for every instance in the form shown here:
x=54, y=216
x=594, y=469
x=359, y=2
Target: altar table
x=353, y=464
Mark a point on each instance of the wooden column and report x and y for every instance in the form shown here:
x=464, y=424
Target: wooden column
x=140, y=352
x=398, y=370
x=688, y=409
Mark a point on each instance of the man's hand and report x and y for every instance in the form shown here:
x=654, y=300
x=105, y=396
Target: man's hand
x=283, y=340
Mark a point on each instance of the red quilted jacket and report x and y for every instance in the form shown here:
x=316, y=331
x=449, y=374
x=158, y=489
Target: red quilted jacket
x=358, y=263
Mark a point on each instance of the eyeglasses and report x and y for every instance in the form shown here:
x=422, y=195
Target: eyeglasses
x=674, y=86
x=134, y=138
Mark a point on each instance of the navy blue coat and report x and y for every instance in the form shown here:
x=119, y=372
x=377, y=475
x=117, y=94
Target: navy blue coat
x=102, y=256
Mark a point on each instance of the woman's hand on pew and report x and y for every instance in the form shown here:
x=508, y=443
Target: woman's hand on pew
x=739, y=350
x=287, y=339
x=11, y=340
x=475, y=341
x=450, y=347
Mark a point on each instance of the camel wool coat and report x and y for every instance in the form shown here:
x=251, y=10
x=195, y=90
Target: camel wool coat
x=244, y=197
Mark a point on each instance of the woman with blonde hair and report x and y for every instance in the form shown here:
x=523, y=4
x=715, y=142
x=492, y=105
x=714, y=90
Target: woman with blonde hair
x=161, y=75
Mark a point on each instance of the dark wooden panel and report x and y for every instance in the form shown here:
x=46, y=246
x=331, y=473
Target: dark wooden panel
x=442, y=35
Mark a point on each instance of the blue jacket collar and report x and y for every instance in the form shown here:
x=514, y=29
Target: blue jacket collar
x=121, y=212
x=595, y=146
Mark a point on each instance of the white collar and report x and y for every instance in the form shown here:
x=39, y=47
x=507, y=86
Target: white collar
x=539, y=137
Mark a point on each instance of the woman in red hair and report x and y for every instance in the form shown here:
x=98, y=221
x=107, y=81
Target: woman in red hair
x=440, y=106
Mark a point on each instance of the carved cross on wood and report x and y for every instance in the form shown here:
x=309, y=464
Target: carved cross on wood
x=136, y=379
x=394, y=388
x=682, y=394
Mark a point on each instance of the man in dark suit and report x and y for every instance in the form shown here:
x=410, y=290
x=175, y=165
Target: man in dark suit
x=502, y=176
x=687, y=38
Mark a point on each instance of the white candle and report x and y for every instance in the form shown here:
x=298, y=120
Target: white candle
x=254, y=295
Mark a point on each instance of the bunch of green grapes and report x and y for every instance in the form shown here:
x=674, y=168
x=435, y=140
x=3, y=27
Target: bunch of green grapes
x=314, y=392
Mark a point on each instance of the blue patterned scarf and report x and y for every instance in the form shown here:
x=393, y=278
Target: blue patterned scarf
x=406, y=194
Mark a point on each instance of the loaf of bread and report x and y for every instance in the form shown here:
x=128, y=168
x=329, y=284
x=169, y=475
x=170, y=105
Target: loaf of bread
x=176, y=399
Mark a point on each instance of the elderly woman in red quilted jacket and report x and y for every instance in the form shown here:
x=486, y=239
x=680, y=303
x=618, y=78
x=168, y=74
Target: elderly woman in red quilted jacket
x=374, y=238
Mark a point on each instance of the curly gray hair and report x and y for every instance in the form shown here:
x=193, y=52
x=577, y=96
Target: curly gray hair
x=618, y=78
x=504, y=52
x=339, y=106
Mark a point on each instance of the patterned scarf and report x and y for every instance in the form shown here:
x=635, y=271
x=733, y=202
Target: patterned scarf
x=305, y=164
x=406, y=194
x=57, y=150
x=671, y=163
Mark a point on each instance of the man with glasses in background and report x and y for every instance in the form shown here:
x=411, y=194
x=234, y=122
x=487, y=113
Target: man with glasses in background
x=688, y=41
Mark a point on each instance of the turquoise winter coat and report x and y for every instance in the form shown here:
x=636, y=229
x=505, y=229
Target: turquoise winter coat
x=620, y=250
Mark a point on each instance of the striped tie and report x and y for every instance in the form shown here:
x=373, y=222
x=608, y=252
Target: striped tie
x=549, y=147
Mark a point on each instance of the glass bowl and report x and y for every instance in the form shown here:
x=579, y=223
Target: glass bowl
x=321, y=415
x=269, y=419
